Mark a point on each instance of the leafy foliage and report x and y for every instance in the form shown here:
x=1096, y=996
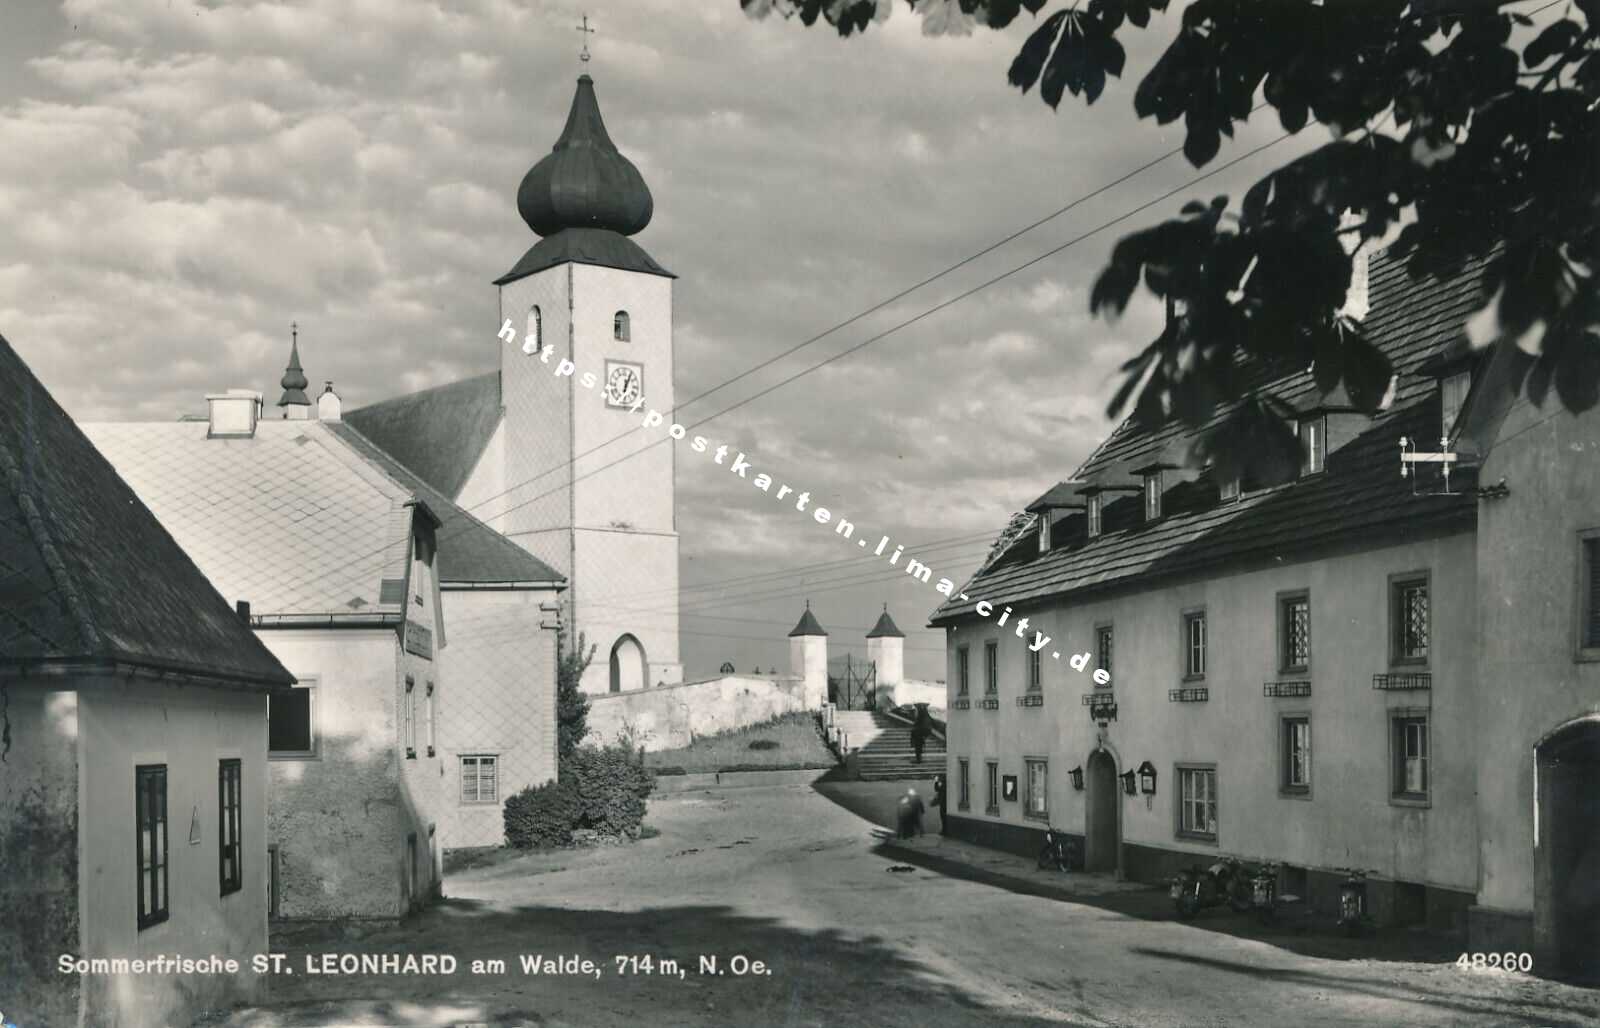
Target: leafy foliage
x=1462, y=132
x=612, y=784
x=572, y=706
x=543, y=816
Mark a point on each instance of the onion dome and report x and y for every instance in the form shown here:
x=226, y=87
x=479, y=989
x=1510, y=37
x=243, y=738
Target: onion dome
x=294, y=379
x=584, y=182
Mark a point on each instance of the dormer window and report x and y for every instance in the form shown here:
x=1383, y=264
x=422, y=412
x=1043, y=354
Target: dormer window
x=1092, y=517
x=1228, y=489
x=1453, y=391
x=1313, y=445
x=1152, y=496
x=619, y=326
x=1044, y=532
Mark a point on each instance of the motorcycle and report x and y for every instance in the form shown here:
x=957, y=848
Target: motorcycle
x=1264, y=890
x=1354, y=917
x=1060, y=851
x=1223, y=882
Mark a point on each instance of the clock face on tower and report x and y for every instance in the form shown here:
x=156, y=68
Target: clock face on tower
x=624, y=383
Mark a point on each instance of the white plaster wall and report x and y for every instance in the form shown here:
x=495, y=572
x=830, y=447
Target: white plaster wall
x=501, y=700
x=1348, y=819
x=1530, y=679
x=339, y=819
x=189, y=729
x=888, y=655
x=808, y=659
x=673, y=716
x=628, y=583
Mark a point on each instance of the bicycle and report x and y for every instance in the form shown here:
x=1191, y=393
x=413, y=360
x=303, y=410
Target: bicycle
x=1060, y=852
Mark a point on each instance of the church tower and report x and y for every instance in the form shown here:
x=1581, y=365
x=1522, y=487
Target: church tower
x=598, y=503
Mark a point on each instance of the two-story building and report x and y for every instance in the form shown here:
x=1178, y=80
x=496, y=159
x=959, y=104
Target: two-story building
x=1328, y=673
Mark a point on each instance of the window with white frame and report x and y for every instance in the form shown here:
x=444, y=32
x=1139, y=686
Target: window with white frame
x=991, y=667
x=1410, y=743
x=1102, y=646
x=1092, y=517
x=1152, y=496
x=480, y=778
x=230, y=788
x=1035, y=671
x=408, y=717
x=1197, y=802
x=1294, y=632
x=621, y=327
x=150, y=822
x=963, y=669
x=1194, y=644
x=993, y=804
x=1408, y=617
x=1036, y=802
x=964, y=781
x=1313, y=445
x=1044, y=531
x=428, y=720
x=292, y=720
x=1297, y=754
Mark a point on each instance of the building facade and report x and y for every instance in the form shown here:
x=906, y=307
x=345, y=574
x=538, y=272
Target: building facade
x=1350, y=670
x=133, y=804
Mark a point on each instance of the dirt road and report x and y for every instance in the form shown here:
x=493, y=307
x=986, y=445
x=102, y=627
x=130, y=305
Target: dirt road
x=791, y=879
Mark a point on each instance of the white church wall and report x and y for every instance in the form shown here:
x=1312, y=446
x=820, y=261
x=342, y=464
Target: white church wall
x=627, y=582
x=501, y=667
x=675, y=715
x=480, y=493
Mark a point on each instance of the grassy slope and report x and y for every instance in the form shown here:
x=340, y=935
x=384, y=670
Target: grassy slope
x=799, y=745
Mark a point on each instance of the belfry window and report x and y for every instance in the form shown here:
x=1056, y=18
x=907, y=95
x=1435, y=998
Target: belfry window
x=535, y=336
x=619, y=327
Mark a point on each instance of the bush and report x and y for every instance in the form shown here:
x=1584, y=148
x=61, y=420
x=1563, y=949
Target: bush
x=764, y=744
x=543, y=816
x=611, y=784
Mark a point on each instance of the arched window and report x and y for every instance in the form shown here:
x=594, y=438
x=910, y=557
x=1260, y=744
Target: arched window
x=535, y=337
x=619, y=326
x=628, y=666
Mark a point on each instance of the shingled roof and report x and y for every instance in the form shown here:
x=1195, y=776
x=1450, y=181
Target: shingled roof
x=469, y=550
x=437, y=433
x=1360, y=496
x=87, y=573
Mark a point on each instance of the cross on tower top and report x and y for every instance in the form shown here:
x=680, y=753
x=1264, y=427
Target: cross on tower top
x=584, y=28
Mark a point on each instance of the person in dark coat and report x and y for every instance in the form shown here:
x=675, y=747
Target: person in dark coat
x=939, y=799
x=910, y=814
x=921, y=728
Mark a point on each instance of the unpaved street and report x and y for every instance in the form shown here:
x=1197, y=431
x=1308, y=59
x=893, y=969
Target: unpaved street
x=789, y=878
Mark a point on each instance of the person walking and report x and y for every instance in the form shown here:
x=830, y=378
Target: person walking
x=921, y=728
x=939, y=799
x=910, y=814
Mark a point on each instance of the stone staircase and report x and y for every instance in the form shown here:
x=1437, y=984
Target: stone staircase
x=882, y=747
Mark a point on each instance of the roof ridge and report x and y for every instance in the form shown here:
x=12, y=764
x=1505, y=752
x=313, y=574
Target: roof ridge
x=410, y=471
x=358, y=463
x=39, y=529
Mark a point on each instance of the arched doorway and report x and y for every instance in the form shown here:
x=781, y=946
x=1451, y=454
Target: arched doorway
x=1100, y=828
x=627, y=665
x=1566, y=882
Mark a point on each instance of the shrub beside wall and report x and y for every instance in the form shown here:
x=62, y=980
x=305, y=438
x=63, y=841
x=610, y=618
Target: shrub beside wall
x=599, y=788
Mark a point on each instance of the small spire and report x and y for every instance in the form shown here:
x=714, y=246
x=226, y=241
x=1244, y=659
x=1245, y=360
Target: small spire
x=294, y=380
x=808, y=624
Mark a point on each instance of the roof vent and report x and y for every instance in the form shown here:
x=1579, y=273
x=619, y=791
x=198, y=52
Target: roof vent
x=233, y=414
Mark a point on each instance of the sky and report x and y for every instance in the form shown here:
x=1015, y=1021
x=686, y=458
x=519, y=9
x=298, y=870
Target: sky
x=179, y=181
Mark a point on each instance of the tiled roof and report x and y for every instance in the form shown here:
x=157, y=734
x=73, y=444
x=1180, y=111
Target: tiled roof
x=469, y=550
x=885, y=627
x=87, y=573
x=807, y=625
x=1360, y=496
x=1062, y=494
x=291, y=519
x=438, y=433
x=584, y=246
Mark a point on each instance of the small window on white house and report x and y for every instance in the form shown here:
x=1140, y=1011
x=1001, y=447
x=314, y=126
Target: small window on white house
x=1313, y=446
x=1036, y=801
x=1194, y=644
x=1197, y=802
x=428, y=720
x=1409, y=734
x=1152, y=496
x=1228, y=489
x=620, y=326
x=1093, y=517
x=480, y=778
x=534, y=339
x=1035, y=671
x=962, y=669
x=292, y=721
x=991, y=667
x=1452, y=397
x=1044, y=531
x=408, y=725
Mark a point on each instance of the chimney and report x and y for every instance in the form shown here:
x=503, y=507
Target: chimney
x=233, y=414
x=243, y=609
x=329, y=406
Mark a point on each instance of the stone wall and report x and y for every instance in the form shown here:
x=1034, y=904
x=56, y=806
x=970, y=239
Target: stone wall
x=670, y=716
x=911, y=690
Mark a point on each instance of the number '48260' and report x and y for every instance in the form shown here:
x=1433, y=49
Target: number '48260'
x=1505, y=961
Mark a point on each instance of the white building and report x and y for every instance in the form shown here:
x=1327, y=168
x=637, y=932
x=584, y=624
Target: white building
x=133, y=794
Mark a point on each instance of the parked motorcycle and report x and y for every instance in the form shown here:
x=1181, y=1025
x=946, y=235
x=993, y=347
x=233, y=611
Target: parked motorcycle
x=1223, y=882
x=1264, y=890
x=1060, y=851
x=1354, y=917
